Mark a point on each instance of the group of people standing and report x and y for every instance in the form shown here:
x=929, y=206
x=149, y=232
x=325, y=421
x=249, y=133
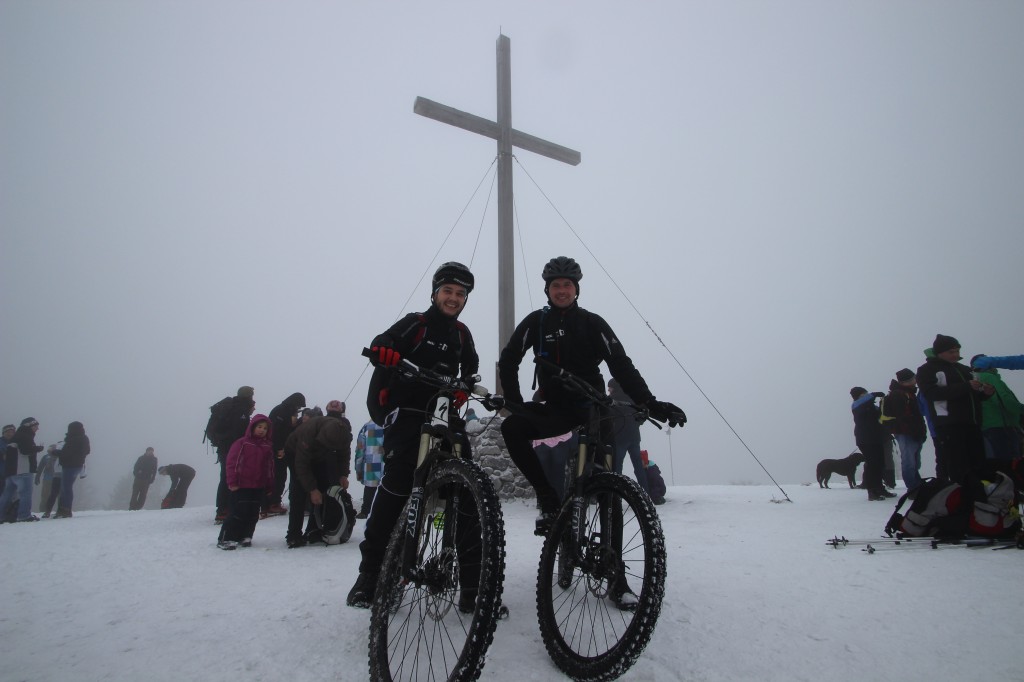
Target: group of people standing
x=57, y=470
x=972, y=416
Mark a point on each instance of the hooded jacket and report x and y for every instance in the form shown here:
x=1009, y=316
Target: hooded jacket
x=901, y=404
x=1001, y=410
x=250, y=462
x=281, y=418
x=21, y=452
x=76, y=447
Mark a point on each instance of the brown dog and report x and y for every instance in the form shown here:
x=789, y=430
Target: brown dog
x=847, y=466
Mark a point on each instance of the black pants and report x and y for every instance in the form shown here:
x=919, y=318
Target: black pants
x=245, y=513
x=223, y=500
x=401, y=448
x=176, y=496
x=874, y=454
x=326, y=474
x=139, y=490
x=280, y=479
x=960, y=449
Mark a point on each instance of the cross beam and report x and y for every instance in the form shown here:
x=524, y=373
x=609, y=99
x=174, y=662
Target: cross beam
x=507, y=138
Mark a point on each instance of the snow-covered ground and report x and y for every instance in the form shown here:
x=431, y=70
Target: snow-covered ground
x=754, y=594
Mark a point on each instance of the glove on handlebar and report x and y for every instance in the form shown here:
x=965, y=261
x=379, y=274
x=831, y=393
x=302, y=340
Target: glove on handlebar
x=493, y=403
x=666, y=412
x=388, y=357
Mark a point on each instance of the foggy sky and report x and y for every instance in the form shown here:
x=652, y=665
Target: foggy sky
x=795, y=196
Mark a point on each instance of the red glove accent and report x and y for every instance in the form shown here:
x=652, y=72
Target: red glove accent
x=388, y=357
x=382, y=397
x=459, y=399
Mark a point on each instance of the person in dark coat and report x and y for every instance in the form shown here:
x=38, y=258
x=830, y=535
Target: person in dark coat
x=283, y=420
x=320, y=452
x=578, y=341
x=870, y=436
x=906, y=425
x=954, y=398
x=626, y=435
x=72, y=463
x=231, y=426
x=145, y=474
x=19, y=466
x=436, y=339
x=181, y=477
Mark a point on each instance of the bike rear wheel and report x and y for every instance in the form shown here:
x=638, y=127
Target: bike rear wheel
x=417, y=629
x=588, y=629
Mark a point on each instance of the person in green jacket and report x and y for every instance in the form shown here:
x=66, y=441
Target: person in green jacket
x=1000, y=416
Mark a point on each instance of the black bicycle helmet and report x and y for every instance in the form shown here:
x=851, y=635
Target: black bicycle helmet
x=453, y=273
x=562, y=266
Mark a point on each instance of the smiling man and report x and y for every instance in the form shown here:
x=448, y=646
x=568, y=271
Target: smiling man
x=434, y=339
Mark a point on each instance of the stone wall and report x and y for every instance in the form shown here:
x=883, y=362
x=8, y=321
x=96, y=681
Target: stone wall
x=490, y=453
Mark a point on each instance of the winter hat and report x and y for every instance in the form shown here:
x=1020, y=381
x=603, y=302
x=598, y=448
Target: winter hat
x=246, y=392
x=979, y=355
x=29, y=421
x=857, y=392
x=904, y=375
x=336, y=406
x=8, y=427
x=943, y=343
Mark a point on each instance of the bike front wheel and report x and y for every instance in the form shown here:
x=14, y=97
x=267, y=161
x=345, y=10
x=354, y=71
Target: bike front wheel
x=435, y=619
x=600, y=588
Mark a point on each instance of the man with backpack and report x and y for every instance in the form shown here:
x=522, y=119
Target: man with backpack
x=434, y=339
x=902, y=416
x=954, y=399
x=229, y=418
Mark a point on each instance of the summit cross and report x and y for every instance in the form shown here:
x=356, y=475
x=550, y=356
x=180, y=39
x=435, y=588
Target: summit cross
x=507, y=138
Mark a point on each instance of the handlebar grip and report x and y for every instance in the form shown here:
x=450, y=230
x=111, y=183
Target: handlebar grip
x=367, y=353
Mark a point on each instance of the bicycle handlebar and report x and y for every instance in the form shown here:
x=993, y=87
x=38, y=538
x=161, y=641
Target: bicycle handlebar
x=433, y=378
x=585, y=389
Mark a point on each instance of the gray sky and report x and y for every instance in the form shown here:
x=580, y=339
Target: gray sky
x=796, y=196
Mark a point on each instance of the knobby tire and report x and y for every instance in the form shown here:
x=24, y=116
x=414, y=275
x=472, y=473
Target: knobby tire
x=587, y=636
x=417, y=632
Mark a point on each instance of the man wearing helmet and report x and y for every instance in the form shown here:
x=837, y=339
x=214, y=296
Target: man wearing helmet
x=578, y=341
x=433, y=339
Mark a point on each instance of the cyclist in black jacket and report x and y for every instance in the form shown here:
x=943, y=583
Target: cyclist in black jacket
x=578, y=341
x=434, y=339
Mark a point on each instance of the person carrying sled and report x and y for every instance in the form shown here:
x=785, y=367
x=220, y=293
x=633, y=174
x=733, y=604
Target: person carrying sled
x=577, y=340
x=319, y=452
x=433, y=339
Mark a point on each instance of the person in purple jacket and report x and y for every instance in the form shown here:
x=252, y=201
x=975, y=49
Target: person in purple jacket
x=249, y=470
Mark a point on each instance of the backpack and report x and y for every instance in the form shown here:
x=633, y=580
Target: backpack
x=380, y=380
x=336, y=517
x=941, y=508
x=883, y=418
x=217, y=413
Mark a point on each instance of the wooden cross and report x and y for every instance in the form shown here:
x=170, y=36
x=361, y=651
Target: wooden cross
x=507, y=138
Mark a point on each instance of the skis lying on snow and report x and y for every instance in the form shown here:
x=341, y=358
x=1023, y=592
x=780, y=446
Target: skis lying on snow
x=871, y=545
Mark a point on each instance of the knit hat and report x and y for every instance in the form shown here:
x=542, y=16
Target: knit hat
x=246, y=392
x=29, y=421
x=979, y=355
x=943, y=343
x=336, y=406
x=904, y=375
x=857, y=392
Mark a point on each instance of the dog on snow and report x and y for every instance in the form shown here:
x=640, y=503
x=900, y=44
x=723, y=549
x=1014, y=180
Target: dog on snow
x=847, y=466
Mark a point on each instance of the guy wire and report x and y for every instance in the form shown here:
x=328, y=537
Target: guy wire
x=655, y=333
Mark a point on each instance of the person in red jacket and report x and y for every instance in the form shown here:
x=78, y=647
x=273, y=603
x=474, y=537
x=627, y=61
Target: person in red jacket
x=249, y=470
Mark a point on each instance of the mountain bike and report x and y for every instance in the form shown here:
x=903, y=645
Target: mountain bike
x=439, y=589
x=602, y=569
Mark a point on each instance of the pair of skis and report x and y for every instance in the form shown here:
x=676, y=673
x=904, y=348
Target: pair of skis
x=872, y=545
